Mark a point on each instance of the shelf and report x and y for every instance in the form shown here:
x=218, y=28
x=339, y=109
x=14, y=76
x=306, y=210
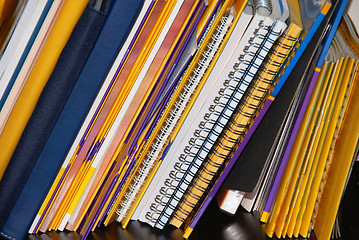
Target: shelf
x=217, y=225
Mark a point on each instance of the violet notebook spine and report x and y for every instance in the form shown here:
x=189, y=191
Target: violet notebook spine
x=227, y=169
x=291, y=142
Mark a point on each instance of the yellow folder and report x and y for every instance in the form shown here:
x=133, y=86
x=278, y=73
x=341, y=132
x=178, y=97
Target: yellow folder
x=309, y=139
x=339, y=169
x=334, y=102
x=307, y=213
x=330, y=123
x=292, y=161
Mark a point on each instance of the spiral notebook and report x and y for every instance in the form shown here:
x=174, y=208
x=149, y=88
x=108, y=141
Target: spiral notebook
x=199, y=212
x=209, y=91
x=211, y=77
x=177, y=155
x=237, y=179
x=230, y=199
x=167, y=128
x=223, y=137
x=150, y=216
x=200, y=118
x=256, y=96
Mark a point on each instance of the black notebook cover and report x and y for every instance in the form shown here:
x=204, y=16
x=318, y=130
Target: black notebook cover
x=249, y=166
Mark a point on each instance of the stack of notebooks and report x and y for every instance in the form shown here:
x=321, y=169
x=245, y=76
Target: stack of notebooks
x=120, y=110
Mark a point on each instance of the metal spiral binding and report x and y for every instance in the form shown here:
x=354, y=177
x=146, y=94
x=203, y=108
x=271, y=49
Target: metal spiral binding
x=216, y=110
x=234, y=131
x=263, y=4
x=172, y=120
x=262, y=92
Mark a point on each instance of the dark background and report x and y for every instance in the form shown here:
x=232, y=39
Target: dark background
x=217, y=225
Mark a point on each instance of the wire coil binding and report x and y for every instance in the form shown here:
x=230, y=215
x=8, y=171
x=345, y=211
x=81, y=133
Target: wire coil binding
x=172, y=120
x=200, y=136
x=246, y=110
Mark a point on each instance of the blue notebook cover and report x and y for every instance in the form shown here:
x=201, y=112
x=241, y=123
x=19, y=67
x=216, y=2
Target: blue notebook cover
x=118, y=23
